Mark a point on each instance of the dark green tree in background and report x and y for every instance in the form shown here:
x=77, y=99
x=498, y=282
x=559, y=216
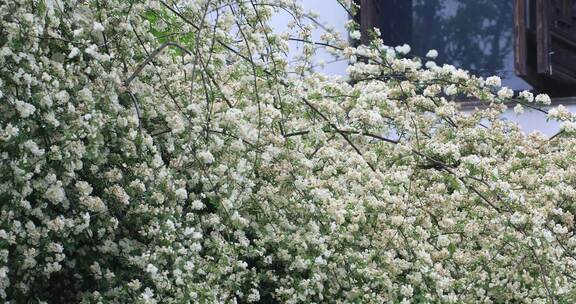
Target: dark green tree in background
x=471, y=34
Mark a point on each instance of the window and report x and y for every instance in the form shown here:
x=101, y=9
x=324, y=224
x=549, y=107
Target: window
x=530, y=44
x=546, y=44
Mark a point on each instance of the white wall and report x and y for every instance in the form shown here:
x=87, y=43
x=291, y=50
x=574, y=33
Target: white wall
x=533, y=120
x=331, y=15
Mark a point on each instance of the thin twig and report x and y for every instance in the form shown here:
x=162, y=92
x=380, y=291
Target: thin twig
x=151, y=56
x=338, y=131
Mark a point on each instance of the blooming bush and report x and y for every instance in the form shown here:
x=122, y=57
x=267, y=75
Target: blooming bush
x=170, y=152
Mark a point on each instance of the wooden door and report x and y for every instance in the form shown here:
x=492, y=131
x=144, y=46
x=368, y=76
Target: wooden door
x=545, y=44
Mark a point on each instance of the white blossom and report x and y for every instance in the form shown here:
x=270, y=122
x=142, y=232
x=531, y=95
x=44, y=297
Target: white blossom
x=543, y=99
x=206, y=157
x=560, y=113
x=355, y=35
x=188, y=154
x=505, y=93
x=25, y=109
x=494, y=81
x=527, y=96
x=450, y=90
x=55, y=194
x=443, y=241
x=176, y=123
x=432, y=54
x=73, y=53
x=403, y=49
x=84, y=188
x=153, y=270
x=181, y=193
x=33, y=148
x=97, y=27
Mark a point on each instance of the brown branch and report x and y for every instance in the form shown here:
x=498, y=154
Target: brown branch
x=151, y=56
x=338, y=131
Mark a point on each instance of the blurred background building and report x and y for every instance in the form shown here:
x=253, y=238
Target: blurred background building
x=530, y=44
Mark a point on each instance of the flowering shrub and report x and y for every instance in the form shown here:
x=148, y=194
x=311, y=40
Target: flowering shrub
x=169, y=152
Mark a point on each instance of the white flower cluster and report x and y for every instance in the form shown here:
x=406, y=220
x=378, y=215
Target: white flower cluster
x=169, y=152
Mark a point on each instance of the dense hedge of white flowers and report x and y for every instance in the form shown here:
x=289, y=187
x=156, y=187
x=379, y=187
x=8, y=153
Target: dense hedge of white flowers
x=159, y=151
